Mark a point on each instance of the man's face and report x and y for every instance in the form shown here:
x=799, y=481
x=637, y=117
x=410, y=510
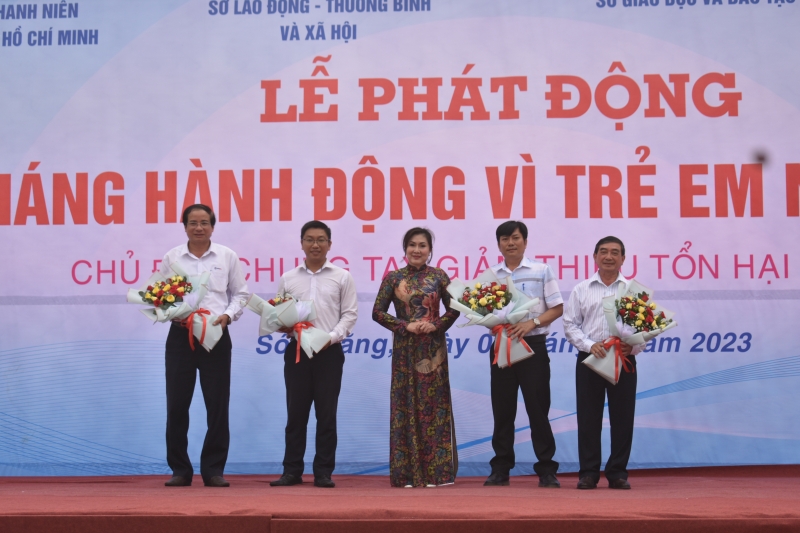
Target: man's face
x=609, y=258
x=316, y=244
x=198, y=227
x=512, y=246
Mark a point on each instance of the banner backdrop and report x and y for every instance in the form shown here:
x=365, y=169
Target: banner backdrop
x=672, y=125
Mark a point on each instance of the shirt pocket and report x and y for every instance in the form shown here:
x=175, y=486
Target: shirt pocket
x=218, y=281
x=536, y=289
x=532, y=286
x=328, y=294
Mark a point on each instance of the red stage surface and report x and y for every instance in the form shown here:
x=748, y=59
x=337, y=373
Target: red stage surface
x=729, y=499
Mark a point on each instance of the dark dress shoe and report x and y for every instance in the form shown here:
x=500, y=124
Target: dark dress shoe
x=178, y=481
x=619, y=484
x=587, y=483
x=496, y=480
x=324, y=482
x=286, y=480
x=549, y=481
x=217, y=481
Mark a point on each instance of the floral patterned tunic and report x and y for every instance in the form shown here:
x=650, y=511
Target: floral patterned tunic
x=422, y=439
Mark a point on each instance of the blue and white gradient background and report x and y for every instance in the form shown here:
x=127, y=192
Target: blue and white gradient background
x=81, y=373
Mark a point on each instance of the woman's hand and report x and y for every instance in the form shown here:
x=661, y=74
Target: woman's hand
x=420, y=328
x=413, y=327
x=427, y=327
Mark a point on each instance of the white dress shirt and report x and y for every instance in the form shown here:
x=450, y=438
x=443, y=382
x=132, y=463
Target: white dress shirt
x=334, y=293
x=227, y=288
x=535, y=279
x=584, y=321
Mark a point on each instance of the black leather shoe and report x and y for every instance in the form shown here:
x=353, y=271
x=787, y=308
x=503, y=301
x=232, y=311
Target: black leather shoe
x=178, y=481
x=619, y=484
x=496, y=480
x=587, y=483
x=286, y=480
x=324, y=482
x=217, y=481
x=549, y=481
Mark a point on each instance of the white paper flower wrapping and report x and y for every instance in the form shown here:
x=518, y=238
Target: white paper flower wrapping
x=610, y=366
x=290, y=314
x=507, y=351
x=202, y=327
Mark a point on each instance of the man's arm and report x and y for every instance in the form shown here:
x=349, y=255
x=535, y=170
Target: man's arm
x=349, y=309
x=237, y=288
x=522, y=328
x=281, y=285
x=573, y=320
x=164, y=268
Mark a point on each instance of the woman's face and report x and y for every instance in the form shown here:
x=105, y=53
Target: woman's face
x=418, y=251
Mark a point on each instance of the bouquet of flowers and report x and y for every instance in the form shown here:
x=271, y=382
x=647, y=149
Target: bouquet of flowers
x=484, y=298
x=283, y=311
x=633, y=317
x=639, y=312
x=166, y=293
x=178, y=297
x=279, y=299
x=495, y=304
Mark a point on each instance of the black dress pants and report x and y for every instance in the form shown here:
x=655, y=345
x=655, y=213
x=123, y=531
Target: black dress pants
x=591, y=390
x=182, y=364
x=532, y=375
x=316, y=381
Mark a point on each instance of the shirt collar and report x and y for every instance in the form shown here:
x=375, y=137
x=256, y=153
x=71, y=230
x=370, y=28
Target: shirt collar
x=527, y=263
x=325, y=265
x=213, y=248
x=596, y=277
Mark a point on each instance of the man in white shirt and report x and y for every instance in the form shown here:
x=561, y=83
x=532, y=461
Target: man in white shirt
x=227, y=289
x=531, y=375
x=317, y=380
x=586, y=328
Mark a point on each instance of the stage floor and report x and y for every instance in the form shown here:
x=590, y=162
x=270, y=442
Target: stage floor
x=698, y=499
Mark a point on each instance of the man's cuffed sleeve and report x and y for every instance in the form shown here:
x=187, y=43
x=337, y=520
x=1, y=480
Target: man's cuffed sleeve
x=552, y=296
x=573, y=320
x=237, y=288
x=349, y=310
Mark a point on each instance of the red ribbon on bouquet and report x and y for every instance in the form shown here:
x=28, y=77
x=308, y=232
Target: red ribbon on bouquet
x=189, y=324
x=615, y=342
x=298, y=328
x=498, y=332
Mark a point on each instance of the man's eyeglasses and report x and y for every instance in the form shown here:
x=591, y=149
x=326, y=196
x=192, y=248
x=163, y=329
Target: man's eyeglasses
x=202, y=224
x=318, y=242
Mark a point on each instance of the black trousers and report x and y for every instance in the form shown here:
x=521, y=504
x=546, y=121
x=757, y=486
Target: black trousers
x=532, y=375
x=316, y=381
x=591, y=390
x=182, y=364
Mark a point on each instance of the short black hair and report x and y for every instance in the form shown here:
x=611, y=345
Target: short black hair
x=413, y=232
x=315, y=224
x=201, y=207
x=606, y=240
x=507, y=228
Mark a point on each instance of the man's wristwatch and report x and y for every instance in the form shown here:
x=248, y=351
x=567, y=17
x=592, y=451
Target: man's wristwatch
x=536, y=321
